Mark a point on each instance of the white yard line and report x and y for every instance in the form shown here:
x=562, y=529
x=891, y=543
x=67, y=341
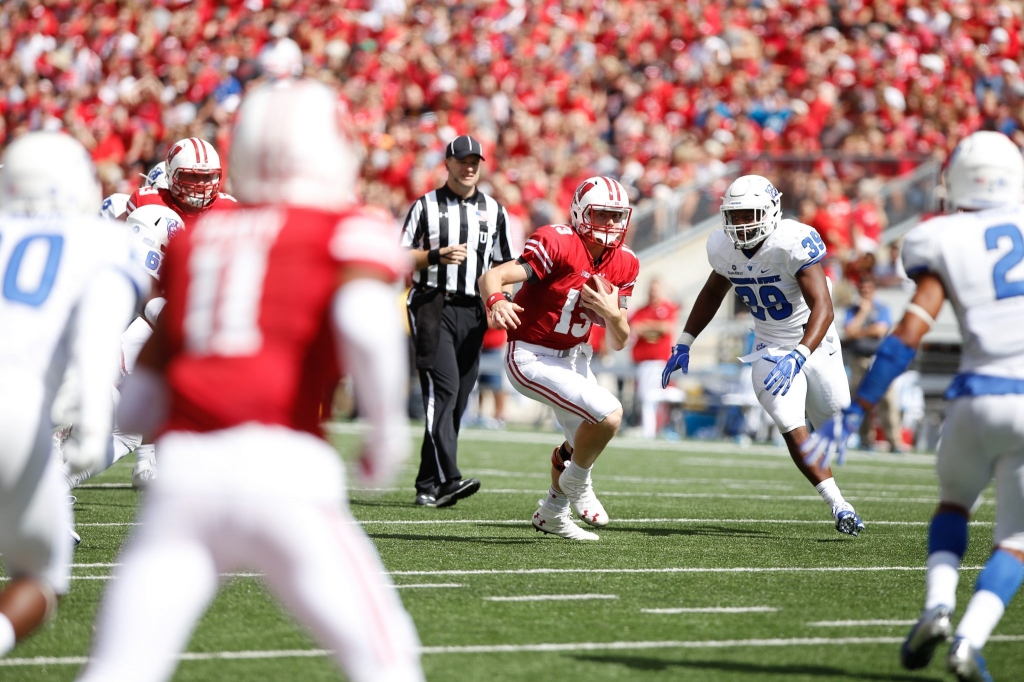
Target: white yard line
x=713, y=609
x=623, y=443
x=653, y=520
x=512, y=648
x=857, y=623
x=412, y=586
x=675, y=569
x=554, y=597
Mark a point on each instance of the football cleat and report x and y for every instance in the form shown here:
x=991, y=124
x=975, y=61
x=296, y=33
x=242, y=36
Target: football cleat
x=559, y=522
x=932, y=629
x=966, y=663
x=425, y=500
x=451, y=492
x=847, y=520
x=75, y=537
x=583, y=500
x=143, y=474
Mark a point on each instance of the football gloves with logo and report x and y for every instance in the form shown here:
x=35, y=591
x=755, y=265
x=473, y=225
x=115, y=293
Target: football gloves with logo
x=830, y=439
x=785, y=370
x=680, y=360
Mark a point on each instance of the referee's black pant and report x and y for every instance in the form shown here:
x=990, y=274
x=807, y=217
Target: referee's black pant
x=446, y=389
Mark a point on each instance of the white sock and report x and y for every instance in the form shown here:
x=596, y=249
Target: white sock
x=556, y=500
x=574, y=470
x=6, y=635
x=941, y=578
x=983, y=614
x=829, y=492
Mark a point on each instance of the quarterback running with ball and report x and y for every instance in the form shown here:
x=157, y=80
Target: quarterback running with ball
x=774, y=267
x=564, y=270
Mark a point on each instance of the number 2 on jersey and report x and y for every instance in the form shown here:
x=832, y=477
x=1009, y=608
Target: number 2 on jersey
x=1006, y=288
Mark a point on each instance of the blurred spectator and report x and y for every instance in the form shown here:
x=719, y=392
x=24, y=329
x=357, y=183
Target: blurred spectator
x=889, y=272
x=867, y=323
x=491, y=379
x=654, y=327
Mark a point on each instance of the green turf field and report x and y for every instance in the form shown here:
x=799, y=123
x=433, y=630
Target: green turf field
x=694, y=526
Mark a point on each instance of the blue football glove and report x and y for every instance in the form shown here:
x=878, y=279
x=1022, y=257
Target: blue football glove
x=785, y=370
x=831, y=438
x=680, y=360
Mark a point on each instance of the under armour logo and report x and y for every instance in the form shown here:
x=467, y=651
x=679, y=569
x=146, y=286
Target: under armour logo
x=442, y=215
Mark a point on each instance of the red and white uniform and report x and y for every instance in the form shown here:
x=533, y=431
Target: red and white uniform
x=247, y=482
x=548, y=359
x=650, y=357
x=144, y=196
x=553, y=312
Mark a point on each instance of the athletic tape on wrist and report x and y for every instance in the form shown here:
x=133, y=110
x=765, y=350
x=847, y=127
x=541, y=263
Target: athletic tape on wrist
x=892, y=360
x=685, y=339
x=804, y=351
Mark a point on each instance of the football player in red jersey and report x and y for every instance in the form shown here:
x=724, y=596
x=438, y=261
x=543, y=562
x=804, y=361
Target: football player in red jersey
x=548, y=324
x=260, y=302
x=193, y=182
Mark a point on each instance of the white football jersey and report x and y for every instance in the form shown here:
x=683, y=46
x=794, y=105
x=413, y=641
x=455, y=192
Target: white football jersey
x=46, y=264
x=980, y=259
x=766, y=282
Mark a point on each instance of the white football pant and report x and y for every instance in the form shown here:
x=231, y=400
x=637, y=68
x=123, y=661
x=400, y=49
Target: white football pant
x=563, y=380
x=818, y=391
x=34, y=510
x=251, y=498
x=982, y=438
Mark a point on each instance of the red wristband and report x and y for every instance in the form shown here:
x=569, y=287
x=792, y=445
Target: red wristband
x=494, y=298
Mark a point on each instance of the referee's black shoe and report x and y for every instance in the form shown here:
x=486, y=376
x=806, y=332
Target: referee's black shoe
x=451, y=492
x=426, y=500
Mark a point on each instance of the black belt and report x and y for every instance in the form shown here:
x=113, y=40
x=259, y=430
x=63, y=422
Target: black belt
x=461, y=299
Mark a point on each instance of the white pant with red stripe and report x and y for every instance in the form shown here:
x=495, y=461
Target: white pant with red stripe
x=563, y=380
x=251, y=498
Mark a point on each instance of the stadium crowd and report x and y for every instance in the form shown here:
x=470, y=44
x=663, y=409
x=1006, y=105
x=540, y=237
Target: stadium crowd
x=658, y=93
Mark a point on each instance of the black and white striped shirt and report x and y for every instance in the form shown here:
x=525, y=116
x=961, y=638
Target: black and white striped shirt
x=442, y=218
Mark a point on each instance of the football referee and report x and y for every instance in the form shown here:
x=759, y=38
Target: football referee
x=453, y=233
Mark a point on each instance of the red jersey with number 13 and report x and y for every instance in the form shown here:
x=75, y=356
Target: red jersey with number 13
x=248, y=323
x=552, y=309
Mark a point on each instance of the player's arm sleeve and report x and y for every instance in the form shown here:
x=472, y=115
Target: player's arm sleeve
x=101, y=315
x=920, y=252
x=371, y=340
x=362, y=241
x=133, y=203
x=541, y=253
x=415, y=228
x=501, y=251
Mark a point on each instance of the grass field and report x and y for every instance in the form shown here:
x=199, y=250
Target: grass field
x=735, y=536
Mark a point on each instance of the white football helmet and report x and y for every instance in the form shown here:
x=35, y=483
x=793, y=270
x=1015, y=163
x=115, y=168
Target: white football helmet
x=281, y=58
x=290, y=146
x=49, y=173
x=600, y=193
x=985, y=170
x=114, y=205
x=157, y=176
x=152, y=227
x=193, y=168
x=751, y=193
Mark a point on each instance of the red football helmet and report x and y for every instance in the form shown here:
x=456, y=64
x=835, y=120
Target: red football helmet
x=601, y=193
x=193, y=167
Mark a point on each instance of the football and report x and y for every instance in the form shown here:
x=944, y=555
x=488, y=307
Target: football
x=597, y=283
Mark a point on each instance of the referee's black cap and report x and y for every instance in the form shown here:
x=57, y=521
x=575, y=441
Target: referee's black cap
x=463, y=146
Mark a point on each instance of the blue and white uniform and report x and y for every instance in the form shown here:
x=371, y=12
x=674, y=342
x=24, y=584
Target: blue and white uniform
x=979, y=257
x=69, y=287
x=767, y=283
